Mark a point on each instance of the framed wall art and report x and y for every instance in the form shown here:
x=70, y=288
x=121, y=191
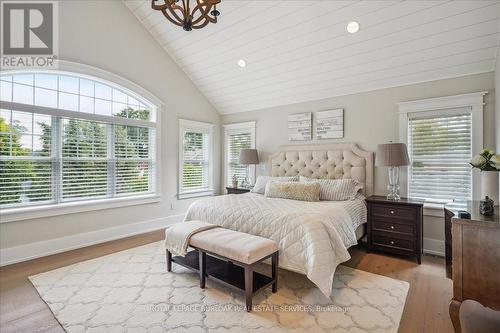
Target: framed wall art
x=300, y=126
x=330, y=124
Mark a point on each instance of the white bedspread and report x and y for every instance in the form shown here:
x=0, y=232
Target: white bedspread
x=313, y=237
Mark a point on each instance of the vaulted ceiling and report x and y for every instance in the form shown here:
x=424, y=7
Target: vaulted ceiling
x=298, y=51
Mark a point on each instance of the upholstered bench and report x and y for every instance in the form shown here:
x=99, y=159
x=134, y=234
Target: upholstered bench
x=229, y=257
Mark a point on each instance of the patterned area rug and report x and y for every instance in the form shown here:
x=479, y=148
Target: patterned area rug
x=131, y=291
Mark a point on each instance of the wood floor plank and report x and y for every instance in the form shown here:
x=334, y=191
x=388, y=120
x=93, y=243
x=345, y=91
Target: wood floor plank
x=426, y=309
x=41, y=322
x=20, y=301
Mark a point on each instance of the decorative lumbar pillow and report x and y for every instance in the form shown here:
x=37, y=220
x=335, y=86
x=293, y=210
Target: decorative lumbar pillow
x=260, y=184
x=335, y=189
x=293, y=190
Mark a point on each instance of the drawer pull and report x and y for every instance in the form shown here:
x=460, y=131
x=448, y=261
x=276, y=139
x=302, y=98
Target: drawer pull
x=392, y=212
x=392, y=242
x=392, y=227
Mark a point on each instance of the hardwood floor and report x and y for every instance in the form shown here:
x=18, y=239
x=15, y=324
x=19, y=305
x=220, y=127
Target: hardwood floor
x=426, y=310
x=21, y=308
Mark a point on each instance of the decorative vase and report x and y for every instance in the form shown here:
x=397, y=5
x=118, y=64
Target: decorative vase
x=489, y=185
x=486, y=207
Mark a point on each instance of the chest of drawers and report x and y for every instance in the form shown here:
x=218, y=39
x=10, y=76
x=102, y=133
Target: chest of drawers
x=395, y=226
x=473, y=259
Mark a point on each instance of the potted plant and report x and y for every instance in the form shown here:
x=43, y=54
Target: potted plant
x=489, y=164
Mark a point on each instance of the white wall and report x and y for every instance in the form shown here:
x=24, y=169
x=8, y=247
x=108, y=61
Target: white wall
x=106, y=35
x=371, y=118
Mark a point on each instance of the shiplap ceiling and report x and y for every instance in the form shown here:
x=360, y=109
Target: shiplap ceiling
x=298, y=51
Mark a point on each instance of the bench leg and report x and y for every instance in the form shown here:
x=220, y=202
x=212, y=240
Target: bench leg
x=203, y=267
x=169, y=261
x=248, y=286
x=274, y=265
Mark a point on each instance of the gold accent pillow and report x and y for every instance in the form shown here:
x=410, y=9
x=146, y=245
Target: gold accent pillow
x=293, y=190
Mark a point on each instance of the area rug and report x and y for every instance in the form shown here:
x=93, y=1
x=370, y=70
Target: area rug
x=131, y=291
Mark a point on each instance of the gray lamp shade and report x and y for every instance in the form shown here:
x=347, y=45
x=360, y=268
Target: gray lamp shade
x=392, y=154
x=249, y=156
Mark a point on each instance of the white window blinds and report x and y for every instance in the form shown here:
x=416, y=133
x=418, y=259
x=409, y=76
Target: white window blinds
x=237, y=142
x=25, y=158
x=134, y=163
x=440, y=149
x=237, y=137
x=84, y=159
x=50, y=154
x=196, y=163
x=46, y=159
x=196, y=158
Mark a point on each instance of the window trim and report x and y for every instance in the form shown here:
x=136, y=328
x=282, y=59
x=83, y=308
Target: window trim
x=127, y=86
x=203, y=127
x=234, y=128
x=444, y=106
x=77, y=115
x=71, y=207
x=97, y=74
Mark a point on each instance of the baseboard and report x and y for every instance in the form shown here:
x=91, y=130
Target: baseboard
x=434, y=246
x=35, y=250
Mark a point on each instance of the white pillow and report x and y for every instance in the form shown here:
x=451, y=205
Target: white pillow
x=304, y=191
x=260, y=184
x=335, y=189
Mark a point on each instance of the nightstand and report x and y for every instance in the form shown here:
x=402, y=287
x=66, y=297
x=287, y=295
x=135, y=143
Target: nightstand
x=395, y=226
x=232, y=190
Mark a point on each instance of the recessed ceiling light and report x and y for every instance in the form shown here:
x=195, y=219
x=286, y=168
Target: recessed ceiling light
x=242, y=63
x=353, y=27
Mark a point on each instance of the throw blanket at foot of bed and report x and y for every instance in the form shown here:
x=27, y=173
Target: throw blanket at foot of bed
x=313, y=237
x=177, y=236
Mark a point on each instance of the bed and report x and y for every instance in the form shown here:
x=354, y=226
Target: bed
x=313, y=237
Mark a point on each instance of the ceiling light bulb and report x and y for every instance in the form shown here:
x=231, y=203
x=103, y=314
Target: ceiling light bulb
x=242, y=63
x=353, y=27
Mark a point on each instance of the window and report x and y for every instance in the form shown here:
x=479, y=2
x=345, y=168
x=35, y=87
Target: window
x=440, y=149
x=442, y=135
x=238, y=136
x=25, y=158
x=195, y=160
x=69, y=138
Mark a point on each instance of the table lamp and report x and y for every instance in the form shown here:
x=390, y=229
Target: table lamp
x=248, y=157
x=392, y=155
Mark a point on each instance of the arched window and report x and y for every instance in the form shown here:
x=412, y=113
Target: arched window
x=66, y=137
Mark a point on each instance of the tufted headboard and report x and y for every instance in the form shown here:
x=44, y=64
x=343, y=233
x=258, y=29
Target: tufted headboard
x=340, y=160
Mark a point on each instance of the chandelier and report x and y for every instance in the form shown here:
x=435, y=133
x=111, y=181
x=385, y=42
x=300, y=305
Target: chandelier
x=179, y=12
